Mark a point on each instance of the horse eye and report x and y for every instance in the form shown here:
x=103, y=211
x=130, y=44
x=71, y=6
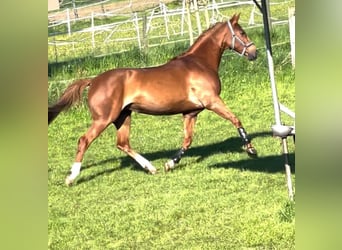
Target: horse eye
x=242, y=33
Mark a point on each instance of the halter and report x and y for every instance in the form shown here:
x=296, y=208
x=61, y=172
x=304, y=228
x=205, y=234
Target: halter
x=245, y=46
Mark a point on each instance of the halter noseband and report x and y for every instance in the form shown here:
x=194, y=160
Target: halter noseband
x=245, y=46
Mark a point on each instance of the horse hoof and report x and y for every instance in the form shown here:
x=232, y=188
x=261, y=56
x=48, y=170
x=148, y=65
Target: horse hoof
x=68, y=181
x=251, y=152
x=169, y=166
x=153, y=172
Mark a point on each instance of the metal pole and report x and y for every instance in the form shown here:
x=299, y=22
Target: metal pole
x=270, y=62
x=274, y=88
x=267, y=4
x=263, y=9
x=266, y=25
x=287, y=169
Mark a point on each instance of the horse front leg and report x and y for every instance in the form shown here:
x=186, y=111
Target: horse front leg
x=218, y=106
x=189, y=124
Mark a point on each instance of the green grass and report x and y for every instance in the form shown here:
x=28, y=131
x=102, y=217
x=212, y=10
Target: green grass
x=216, y=198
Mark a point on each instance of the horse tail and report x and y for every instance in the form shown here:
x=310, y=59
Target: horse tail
x=71, y=95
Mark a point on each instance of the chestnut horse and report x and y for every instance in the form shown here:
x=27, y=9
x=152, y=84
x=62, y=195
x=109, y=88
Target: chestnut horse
x=187, y=84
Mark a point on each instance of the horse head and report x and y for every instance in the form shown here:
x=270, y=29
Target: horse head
x=238, y=41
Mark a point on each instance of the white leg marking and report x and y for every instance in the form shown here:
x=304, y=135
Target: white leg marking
x=169, y=165
x=145, y=163
x=75, y=170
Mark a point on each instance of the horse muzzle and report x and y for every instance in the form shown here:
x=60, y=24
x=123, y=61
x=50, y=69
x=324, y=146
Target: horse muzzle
x=252, y=53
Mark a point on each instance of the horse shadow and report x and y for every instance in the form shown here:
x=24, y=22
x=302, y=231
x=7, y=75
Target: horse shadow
x=267, y=164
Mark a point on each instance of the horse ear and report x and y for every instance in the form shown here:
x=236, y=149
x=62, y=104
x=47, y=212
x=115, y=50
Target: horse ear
x=232, y=19
x=235, y=18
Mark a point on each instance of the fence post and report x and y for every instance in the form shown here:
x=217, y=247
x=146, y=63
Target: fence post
x=136, y=24
x=163, y=9
x=198, y=19
x=68, y=21
x=75, y=8
x=191, y=35
x=55, y=48
x=206, y=14
x=214, y=8
x=182, y=18
x=251, y=17
x=93, y=32
x=292, y=34
x=145, y=35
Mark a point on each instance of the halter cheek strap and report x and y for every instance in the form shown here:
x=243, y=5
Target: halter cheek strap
x=234, y=37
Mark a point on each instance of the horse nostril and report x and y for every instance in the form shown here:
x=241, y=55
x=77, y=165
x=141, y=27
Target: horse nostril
x=253, y=56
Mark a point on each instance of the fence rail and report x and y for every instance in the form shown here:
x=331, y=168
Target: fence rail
x=100, y=34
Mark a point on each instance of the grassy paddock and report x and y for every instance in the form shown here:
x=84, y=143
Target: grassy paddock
x=217, y=197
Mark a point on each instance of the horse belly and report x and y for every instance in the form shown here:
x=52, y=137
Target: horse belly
x=160, y=93
x=160, y=106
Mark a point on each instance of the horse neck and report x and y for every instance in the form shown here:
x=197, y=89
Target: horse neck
x=208, y=47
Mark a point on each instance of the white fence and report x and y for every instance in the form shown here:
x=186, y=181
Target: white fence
x=292, y=25
x=71, y=36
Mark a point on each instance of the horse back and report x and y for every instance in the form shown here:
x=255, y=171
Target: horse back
x=175, y=87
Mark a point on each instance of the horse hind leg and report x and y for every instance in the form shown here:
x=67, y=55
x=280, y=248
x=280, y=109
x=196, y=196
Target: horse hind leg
x=123, y=124
x=189, y=124
x=83, y=144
